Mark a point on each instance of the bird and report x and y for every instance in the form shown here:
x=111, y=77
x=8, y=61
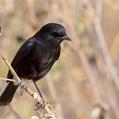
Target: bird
x=35, y=58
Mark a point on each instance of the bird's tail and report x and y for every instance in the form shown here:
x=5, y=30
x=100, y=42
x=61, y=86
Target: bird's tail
x=8, y=94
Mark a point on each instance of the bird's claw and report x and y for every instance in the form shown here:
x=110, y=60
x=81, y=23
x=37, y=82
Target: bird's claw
x=23, y=86
x=41, y=104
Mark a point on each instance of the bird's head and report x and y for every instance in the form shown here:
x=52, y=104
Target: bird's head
x=53, y=34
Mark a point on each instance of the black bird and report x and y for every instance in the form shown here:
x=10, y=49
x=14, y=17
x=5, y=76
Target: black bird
x=35, y=57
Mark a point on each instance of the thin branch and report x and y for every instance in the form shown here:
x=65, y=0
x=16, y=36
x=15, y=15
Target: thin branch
x=105, y=52
x=50, y=114
x=11, y=80
x=11, y=69
x=103, y=45
x=14, y=112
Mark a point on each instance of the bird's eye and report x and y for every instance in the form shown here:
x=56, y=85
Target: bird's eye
x=55, y=34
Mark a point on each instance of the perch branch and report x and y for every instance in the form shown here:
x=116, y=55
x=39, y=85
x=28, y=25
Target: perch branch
x=50, y=114
x=18, y=80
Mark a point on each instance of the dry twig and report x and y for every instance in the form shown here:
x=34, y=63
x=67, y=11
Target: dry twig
x=5, y=79
x=49, y=114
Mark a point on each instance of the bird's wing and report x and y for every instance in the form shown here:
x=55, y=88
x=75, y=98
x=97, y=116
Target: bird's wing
x=21, y=54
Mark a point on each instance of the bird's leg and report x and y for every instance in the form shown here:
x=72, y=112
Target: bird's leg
x=23, y=86
x=40, y=93
x=41, y=104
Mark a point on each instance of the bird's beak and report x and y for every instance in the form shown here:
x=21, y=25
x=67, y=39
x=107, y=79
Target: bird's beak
x=66, y=38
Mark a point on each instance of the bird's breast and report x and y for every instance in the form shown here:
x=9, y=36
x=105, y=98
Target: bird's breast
x=43, y=61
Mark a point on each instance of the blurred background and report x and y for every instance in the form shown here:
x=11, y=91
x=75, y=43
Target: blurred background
x=84, y=83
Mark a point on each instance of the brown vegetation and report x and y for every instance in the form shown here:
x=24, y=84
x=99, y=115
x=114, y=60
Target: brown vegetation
x=84, y=83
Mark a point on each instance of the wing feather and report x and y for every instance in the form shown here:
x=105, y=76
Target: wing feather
x=21, y=54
